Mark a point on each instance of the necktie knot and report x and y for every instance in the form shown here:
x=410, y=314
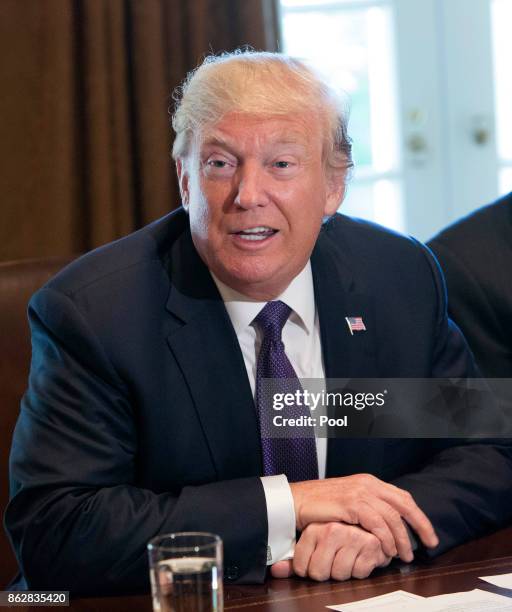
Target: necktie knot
x=271, y=319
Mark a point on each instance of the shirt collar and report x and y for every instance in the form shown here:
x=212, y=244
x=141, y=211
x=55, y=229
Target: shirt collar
x=299, y=296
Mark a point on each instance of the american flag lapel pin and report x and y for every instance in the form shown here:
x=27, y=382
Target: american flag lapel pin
x=355, y=324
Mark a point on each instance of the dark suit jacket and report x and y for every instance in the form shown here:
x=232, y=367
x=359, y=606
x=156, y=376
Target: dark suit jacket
x=476, y=256
x=139, y=418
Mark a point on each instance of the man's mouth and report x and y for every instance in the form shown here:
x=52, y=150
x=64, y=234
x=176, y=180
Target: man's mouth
x=256, y=233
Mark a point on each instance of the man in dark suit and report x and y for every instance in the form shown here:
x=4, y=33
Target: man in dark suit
x=144, y=409
x=476, y=256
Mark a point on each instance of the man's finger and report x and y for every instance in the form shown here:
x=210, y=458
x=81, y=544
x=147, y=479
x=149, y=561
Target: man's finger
x=320, y=563
x=344, y=562
x=404, y=503
x=282, y=569
x=372, y=518
x=423, y=527
x=304, y=549
x=364, y=564
x=384, y=561
x=396, y=527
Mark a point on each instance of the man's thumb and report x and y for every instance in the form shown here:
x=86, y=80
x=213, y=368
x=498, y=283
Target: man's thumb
x=282, y=569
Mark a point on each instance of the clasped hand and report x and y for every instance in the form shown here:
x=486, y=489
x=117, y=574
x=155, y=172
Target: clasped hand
x=350, y=526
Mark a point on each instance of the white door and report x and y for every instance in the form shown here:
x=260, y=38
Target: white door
x=424, y=78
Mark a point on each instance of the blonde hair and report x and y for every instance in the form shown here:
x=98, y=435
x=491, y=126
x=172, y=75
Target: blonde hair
x=258, y=83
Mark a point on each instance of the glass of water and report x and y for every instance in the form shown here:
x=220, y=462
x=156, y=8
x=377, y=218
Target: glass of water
x=186, y=572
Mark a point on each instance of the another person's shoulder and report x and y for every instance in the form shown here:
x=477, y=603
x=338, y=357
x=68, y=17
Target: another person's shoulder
x=125, y=261
x=478, y=231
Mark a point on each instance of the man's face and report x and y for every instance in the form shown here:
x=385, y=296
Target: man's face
x=256, y=191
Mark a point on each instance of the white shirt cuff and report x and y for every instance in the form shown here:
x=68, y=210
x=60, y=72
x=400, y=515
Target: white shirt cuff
x=281, y=518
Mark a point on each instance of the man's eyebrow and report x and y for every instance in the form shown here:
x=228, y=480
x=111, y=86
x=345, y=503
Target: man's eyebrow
x=216, y=140
x=231, y=147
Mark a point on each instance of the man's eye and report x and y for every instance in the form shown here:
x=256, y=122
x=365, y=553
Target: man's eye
x=282, y=164
x=217, y=163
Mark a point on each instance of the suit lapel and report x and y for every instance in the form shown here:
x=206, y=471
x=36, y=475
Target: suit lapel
x=206, y=348
x=345, y=355
x=337, y=296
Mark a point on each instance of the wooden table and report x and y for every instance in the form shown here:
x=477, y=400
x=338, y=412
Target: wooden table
x=456, y=570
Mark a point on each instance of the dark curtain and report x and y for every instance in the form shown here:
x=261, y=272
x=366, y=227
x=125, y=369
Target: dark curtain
x=84, y=127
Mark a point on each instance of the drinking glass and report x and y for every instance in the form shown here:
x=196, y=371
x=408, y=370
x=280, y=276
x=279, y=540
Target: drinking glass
x=186, y=572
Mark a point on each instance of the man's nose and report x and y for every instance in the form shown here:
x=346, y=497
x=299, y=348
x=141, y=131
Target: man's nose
x=251, y=188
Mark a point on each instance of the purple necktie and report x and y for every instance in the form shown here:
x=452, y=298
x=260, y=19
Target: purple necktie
x=295, y=456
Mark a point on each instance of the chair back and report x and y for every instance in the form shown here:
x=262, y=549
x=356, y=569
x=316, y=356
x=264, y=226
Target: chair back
x=18, y=281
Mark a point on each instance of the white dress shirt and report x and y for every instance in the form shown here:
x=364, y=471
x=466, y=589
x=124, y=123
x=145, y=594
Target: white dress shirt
x=301, y=338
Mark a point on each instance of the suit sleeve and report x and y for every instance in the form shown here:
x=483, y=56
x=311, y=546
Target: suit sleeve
x=77, y=519
x=464, y=488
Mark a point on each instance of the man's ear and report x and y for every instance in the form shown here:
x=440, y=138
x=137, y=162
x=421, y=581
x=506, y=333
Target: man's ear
x=183, y=180
x=335, y=191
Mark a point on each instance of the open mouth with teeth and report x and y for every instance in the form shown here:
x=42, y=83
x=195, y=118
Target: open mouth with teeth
x=261, y=232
